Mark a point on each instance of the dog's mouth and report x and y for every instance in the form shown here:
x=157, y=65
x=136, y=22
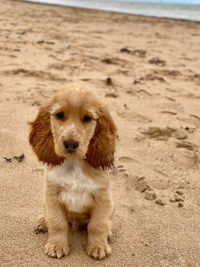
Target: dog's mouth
x=70, y=151
x=73, y=154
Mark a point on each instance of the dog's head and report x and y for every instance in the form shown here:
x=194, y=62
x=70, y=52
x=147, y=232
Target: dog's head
x=74, y=124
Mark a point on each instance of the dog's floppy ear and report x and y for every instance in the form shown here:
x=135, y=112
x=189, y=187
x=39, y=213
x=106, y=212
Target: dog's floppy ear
x=102, y=145
x=41, y=138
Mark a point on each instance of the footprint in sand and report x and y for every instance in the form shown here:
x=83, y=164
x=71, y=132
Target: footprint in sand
x=137, y=52
x=164, y=133
x=126, y=159
x=34, y=74
x=192, y=119
x=169, y=112
x=57, y=66
x=149, y=77
x=134, y=182
x=131, y=116
x=187, y=145
x=138, y=183
x=157, y=61
x=139, y=93
x=169, y=73
x=121, y=168
x=170, y=99
x=194, y=78
x=189, y=156
x=178, y=198
x=113, y=61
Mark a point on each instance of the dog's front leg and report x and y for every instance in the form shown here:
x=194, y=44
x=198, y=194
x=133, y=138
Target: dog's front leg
x=57, y=244
x=99, y=227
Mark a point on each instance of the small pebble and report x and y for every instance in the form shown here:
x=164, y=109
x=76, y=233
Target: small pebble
x=179, y=192
x=150, y=195
x=178, y=199
x=160, y=202
x=172, y=199
x=180, y=204
x=19, y=158
x=109, y=81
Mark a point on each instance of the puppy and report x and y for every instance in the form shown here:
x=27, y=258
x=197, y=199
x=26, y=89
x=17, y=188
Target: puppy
x=74, y=135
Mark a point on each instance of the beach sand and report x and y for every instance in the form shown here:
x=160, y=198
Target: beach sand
x=147, y=71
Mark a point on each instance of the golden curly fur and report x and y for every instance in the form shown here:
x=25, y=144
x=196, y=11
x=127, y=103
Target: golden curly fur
x=75, y=135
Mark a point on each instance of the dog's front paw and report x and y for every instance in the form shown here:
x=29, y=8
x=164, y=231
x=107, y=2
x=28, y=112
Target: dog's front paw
x=56, y=250
x=99, y=251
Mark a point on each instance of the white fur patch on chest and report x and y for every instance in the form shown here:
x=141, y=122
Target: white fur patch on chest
x=77, y=188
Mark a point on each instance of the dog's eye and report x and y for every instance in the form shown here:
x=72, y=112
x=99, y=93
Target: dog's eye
x=60, y=115
x=87, y=118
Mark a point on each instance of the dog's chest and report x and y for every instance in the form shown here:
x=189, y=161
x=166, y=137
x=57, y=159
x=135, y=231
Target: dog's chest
x=77, y=189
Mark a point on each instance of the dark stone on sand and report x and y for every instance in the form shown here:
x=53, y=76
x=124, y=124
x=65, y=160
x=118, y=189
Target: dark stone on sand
x=19, y=158
x=109, y=81
x=8, y=159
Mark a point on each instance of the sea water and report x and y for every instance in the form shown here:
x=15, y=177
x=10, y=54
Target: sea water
x=177, y=9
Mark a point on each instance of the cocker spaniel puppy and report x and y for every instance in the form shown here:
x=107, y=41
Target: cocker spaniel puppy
x=74, y=135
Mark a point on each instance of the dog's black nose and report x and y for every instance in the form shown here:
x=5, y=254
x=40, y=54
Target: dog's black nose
x=70, y=145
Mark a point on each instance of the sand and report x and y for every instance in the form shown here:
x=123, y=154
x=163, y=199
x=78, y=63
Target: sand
x=147, y=71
